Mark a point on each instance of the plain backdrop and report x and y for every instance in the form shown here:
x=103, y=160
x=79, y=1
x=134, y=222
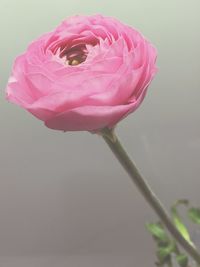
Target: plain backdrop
x=64, y=199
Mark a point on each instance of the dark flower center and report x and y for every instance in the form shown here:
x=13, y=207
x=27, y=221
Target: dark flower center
x=74, y=55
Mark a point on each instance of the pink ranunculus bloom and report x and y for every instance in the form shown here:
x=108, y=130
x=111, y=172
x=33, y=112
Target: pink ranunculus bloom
x=87, y=74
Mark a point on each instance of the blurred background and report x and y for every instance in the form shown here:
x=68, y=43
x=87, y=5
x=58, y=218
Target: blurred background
x=64, y=199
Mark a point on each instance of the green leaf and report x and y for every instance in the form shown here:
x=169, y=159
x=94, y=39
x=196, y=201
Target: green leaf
x=194, y=215
x=157, y=231
x=182, y=260
x=178, y=221
x=164, y=253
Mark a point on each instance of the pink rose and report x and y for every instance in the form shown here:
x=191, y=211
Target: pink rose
x=87, y=74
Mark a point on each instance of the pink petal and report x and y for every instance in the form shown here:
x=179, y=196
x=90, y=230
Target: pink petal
x=89, y=118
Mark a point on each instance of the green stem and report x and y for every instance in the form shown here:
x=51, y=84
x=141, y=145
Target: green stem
x=118, y=150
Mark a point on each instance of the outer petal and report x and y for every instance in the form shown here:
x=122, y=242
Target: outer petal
x=89, y=118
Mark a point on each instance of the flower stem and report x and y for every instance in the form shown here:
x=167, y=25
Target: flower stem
x=120, y=153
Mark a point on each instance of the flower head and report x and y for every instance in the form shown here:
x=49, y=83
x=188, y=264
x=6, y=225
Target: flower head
x=87, y=74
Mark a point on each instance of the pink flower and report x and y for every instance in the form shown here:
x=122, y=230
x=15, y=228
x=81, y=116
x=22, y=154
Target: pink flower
x=87, y=74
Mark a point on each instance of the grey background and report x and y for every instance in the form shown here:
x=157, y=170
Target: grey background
x=64, y=200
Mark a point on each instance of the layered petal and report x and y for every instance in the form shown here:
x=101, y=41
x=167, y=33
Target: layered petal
x=87, y=74
x=88, y=118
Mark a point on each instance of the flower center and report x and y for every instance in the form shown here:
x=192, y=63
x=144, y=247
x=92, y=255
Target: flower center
x=74, y=55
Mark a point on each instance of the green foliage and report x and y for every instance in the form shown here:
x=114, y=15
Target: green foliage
x=157, y=230
x=164, y=245
x=194, y=215
x=178, y=220
x=182, y=260
x=167, y=248
x=164, y=253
